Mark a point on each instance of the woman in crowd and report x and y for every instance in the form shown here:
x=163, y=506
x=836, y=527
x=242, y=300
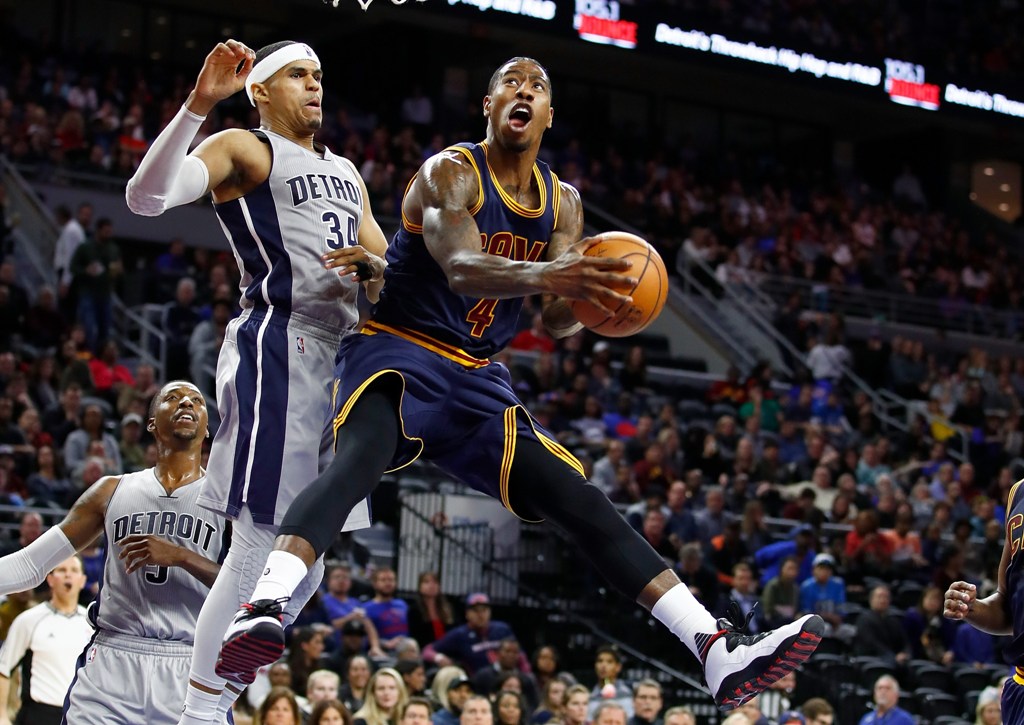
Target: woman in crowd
x=430, y=615
x=279, y=708
x=357, y=675
x=509, y=708
x=385, y=696
x=546, y=662
x=577, y=701
x=552, y=703
x=306, y=650
x=330, y=712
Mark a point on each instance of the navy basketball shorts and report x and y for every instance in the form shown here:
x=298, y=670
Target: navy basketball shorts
x=457, y=411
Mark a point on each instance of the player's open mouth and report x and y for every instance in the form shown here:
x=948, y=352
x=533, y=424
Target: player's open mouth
x=314, y=103
x=519, y=117
x=188, y=417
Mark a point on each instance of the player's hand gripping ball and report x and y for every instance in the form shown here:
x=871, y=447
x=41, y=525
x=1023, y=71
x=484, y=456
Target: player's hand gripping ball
x=649, y=295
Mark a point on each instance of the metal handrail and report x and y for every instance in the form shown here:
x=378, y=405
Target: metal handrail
x=965, y=317
x=149, y=336
x=37, y=230
x=690, y=283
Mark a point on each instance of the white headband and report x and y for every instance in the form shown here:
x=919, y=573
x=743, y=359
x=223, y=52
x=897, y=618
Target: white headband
x=275, y=62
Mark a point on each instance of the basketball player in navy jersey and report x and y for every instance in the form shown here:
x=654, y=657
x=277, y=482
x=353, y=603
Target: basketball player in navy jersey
x=482, y=226
x=161, y=560
x=1001, y=613
x=299, y=222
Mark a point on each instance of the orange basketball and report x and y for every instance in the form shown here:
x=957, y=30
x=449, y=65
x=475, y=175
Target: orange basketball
x=649, y=295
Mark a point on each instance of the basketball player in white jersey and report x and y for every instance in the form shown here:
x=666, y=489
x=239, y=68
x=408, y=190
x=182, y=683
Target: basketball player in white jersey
x=162, y=553
x=299, y=222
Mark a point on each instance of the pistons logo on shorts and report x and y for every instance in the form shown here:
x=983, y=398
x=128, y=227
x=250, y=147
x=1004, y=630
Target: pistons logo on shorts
x=300, y=345
x=91, y=655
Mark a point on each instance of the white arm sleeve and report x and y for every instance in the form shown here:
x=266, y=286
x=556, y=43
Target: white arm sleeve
x=28, y=567
x=168, y=176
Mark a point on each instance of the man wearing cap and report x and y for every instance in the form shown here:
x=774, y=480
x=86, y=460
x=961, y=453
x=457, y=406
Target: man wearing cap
x=473, y=645
x=792, y=717
x=303, y=235
x=460, y=689
x=824, y=593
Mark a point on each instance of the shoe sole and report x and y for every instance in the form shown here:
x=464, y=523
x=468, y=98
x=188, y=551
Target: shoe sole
x=244, y=652
x=793, y=652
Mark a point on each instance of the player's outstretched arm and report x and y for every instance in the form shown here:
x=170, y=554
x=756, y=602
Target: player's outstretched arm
x=141, y=550
x=27, y=568
x=442, y=195
x=168, y=176
x=991, y=614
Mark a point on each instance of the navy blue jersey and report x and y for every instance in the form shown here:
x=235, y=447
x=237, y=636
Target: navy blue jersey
x=416, y=295
x=1014, y=651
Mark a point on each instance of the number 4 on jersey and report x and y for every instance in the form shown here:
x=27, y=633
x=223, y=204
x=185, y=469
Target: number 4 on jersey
x=481, y=316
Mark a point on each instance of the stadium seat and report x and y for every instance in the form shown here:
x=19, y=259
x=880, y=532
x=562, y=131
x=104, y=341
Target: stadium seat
x=940, y=704
x=852, y=706
x=908, y=595
x=970, y=701
x=968, y=678
x=950, y=720
x=931, y=675
x=871, y=671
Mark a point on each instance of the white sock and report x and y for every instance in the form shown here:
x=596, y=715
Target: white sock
x=684, y=616
x=282, y=574
x=227, y=699
x=200, y=707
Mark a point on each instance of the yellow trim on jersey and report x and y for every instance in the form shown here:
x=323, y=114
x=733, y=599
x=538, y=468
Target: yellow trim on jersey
x=339, y=420
x=455, y=354
x=560, y=452
x=556, y=202
x=1009, y=497
x=409, y=226
x=1018, y=675
x=512, y=203
x=479, y=179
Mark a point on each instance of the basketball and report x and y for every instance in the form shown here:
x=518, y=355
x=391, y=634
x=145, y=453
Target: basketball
x=649, y=295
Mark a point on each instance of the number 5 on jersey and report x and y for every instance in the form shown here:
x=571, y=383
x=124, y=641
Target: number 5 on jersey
x=339, y=233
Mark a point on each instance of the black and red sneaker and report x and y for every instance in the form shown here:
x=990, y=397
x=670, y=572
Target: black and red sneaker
x=254, y=638
x=738, y=666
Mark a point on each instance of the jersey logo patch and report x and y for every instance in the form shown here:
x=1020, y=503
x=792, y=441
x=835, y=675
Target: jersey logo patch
x=300, y=345
x=91, y=655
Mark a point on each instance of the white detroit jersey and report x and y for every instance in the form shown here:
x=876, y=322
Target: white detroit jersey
x=156, y=602
x=309, y=205
x=275, y=372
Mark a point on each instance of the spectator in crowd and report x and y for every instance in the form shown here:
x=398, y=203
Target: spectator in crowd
x=552, y=703
x=929, y=634
x=577, y=705
x=699, y=577
x=321, y=686
x=44, y=325
x=417, y=711
x=472, y=645
x=508, y=659
x=95, y=267
x=430, y=614
x=133, y=457
x=307, y=648
x=546, y=664
x=647, y=703
x=680, y=715
x=451, y=689
x=385, y=698
x=818, y=711
x=610, y=689
x=357, y=675
x=342, y=609
x=389, y=614
x=110, y=377
x=414, y=675
x=48, y=484
x=30, y=528
x=179, y=321
x=988, y=711
x=77, y=443
x=509, y=708
x=880, y=635
x=279, y=708
x=204, y=344
x=610, y=712
x=886, y=708
x=781, y=596
x=72, y=235
x=333, y=712
x=824, y=593
x=477, y=711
